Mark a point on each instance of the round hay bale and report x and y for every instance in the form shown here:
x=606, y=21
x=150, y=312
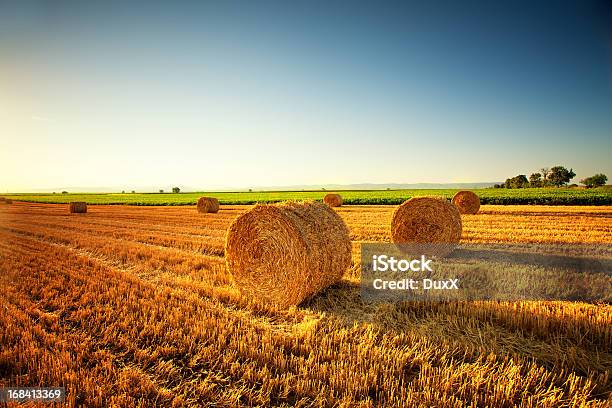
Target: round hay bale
x=431, y=224
x=8, y=201
x=208, y=205
x=78, y=207
x=2, y=200
x=333, y=200
x=283, y=254
x=467, y=202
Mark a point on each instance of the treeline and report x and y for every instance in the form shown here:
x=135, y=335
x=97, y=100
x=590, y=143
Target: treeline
x=557, y=176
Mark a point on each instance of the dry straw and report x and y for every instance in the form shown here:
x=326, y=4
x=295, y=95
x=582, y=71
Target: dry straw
x=78, y=207
x=208, y=205
x=333, y=200
x=427, y=220
x=283, y=254
x=467, y=202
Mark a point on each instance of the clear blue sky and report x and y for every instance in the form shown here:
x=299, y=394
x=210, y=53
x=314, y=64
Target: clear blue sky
x=239, y=94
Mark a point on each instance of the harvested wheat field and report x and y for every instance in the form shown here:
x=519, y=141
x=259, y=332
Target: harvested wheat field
x=132, y=306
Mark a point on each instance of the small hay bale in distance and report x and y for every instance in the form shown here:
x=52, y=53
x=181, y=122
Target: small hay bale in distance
x=467, y=202
x=333, y=200
x=208, y=205
x=8, y=201
x=78, y=207
x=283, y=254
x=431, y=223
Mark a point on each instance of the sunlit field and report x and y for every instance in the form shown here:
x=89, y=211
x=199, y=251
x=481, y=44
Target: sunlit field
x=132, y=306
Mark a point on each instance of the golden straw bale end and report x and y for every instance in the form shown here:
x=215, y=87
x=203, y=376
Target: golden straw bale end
x=467, y=202
x=427, y=220
x=282, y=254
x=333, y=200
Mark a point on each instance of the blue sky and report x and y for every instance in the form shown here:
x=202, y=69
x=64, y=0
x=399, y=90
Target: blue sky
x=239, y=94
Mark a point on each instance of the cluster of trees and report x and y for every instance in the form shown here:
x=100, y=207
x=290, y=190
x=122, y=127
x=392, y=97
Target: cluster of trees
x=595, y=181
x=556, y=176
x=175, y=190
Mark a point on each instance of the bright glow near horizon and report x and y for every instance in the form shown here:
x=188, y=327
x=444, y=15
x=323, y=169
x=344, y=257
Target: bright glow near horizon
x=214, y=97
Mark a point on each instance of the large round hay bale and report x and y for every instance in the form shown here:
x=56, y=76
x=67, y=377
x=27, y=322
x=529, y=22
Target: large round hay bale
x=333, y=200
x=78, y=207
x=432, y=223
x=467, y=202
x=208, y=205
x=283, y=254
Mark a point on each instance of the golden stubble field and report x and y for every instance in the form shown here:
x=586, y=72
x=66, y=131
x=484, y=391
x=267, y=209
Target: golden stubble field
x=132, y=306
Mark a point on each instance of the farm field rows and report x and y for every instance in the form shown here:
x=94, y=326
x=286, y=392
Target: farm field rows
x=133, y=306
x=548, y=196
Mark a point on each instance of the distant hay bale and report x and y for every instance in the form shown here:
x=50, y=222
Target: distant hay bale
x=467, y=202
x=283, y=254
x=432, y=221
x=333, y=200
x=2, y=199
x=208, y=205
x=8, y=201
x=78, y=207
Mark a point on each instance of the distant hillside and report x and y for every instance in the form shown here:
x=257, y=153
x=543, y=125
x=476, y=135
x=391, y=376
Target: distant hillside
x=375, y=186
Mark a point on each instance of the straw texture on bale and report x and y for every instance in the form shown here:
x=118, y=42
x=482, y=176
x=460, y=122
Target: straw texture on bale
x=427, y=220
x=467, y=202
x=333, y=200
x=208, y=205
x=78, y=207
x=283, y=254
